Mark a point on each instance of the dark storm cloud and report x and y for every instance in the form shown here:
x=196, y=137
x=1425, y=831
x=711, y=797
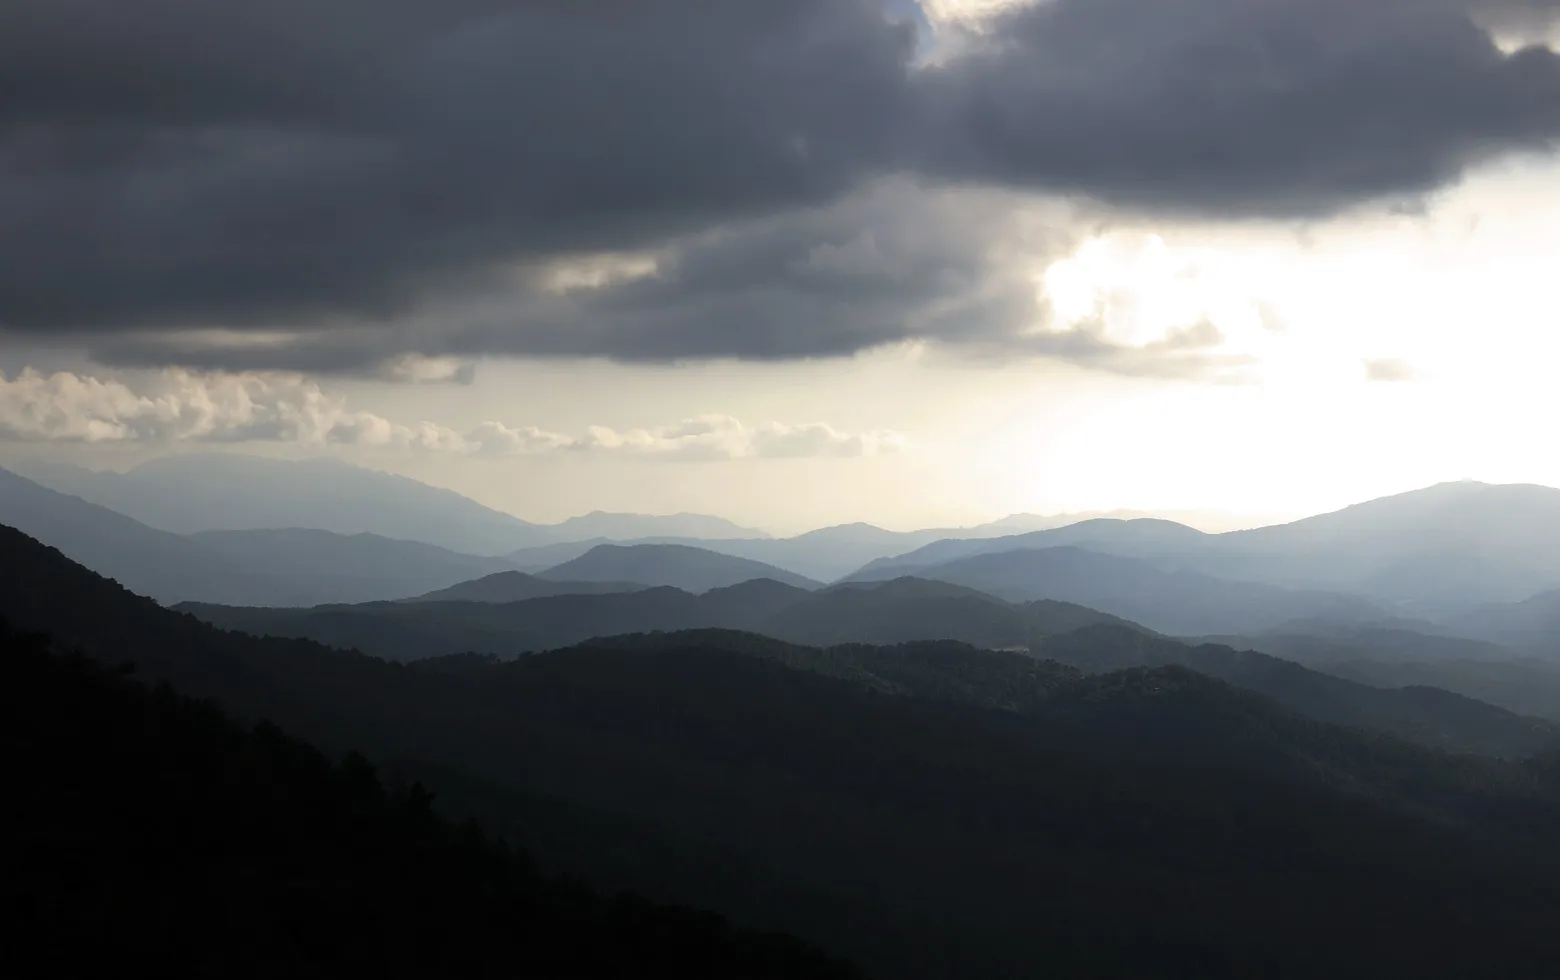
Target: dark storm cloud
x=354, y=170
x=168, y=162
x=898, y=263
x=1277, y=107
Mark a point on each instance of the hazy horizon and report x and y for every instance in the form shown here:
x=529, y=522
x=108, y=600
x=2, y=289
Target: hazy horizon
x=1210, y=521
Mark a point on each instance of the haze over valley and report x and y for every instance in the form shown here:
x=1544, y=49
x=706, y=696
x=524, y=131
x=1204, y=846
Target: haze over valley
x=849, y=489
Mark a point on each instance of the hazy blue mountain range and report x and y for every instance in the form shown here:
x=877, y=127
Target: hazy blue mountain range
x=231, y=491
x=1436, y=552
x=1139, y=538
x=1531, y=626
x=1180, y=602
x=825, y=554
x=1463, y=558
x=893, y=612
x=275, y=567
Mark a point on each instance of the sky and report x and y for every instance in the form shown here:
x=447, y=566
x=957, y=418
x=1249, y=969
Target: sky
x=793, y=262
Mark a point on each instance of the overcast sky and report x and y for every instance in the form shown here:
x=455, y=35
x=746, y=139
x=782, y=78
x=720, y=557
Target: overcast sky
x=794, y=262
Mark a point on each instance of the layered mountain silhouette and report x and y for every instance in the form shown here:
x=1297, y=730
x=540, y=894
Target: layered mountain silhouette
x=513, y=586
x=825, y=554
x=678, y=566
x=1142, y=537
x=1434, y=552
x=898, y=612
x=892, y=612
x=1531, y=626
x=1182, y=602
x=1419, y=713
x=231, y=491
x=936, y=809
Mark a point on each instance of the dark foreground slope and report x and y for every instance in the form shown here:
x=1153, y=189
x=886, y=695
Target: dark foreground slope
x=244, y=853
x=953, y=814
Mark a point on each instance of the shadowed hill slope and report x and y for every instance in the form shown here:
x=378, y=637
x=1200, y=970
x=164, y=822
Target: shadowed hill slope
x=244, y=853
x=1150, y=822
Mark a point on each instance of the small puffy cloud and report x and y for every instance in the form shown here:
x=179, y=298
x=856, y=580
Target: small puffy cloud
x=186, y=406
x=418, y=369
x=1388, y=369
x=178, y=406
x=724, y=437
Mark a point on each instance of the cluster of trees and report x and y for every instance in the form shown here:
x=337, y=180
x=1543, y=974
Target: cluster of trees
x=153, y=833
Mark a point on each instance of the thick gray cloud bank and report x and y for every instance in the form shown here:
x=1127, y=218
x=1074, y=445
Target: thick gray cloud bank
x=370, y=178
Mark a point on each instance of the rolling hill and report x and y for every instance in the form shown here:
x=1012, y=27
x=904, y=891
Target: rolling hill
x=1135, y=538
x=1436, y=552
x=892, y=612
x=513, y=586
x=1150, y=822
x=280, y=568
x=678, y=566
x=235, y=492
x=1531, y=626
x=238, y=851
x=1185, y=603
x=1428, y=715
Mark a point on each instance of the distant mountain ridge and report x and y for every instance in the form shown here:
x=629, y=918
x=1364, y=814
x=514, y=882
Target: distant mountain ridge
x=679, y=566
x=234, y=492
x=880, y=613
x=273, y=567
x=1438, y=552
x=231, y=491
x=1181, y=602
x=517, y=586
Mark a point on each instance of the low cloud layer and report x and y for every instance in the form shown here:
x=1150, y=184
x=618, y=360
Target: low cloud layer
x=177, y=406
x=370, y=179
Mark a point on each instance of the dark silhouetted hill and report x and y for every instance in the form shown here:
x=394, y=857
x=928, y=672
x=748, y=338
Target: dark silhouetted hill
x=241, y=852
x=1427, y=715
x=513, y=586
x=893, y=612
x=971, y=814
